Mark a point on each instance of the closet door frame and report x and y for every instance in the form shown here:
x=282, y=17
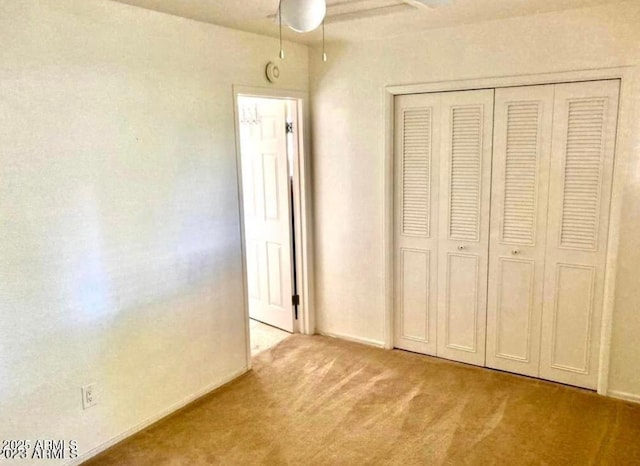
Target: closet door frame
x=623, y=146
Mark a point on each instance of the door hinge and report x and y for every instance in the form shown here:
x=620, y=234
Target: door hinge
x=289, y=128
x=295, y=300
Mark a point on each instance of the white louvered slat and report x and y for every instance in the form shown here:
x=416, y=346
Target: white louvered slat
x=582, y=174
x=416, y=161
x=521, y=167
x=466, y=174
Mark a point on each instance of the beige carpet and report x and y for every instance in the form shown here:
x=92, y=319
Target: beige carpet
x=316, y=400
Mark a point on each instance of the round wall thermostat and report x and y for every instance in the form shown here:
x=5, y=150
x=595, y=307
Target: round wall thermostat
x=273, y=72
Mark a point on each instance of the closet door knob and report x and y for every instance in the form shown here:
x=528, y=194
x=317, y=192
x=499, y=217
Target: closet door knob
x=515, y=252
x=461, y=247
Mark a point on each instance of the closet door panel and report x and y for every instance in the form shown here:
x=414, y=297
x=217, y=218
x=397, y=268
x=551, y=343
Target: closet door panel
x=465, y=175
x=414, y=293
x=416, y=160
x=463, y=281
x=521, y=148
x=513, y=315
x=583, y=145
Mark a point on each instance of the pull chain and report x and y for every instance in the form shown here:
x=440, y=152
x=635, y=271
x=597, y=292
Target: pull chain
x=280, y=23
x=324, y=54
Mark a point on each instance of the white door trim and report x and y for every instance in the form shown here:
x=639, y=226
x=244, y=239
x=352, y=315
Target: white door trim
x=301, y=208
x=627, y=76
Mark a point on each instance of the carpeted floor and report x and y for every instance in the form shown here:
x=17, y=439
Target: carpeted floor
x=317, y=400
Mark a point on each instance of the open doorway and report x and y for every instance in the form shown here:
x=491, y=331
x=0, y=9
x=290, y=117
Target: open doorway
x=269, y=161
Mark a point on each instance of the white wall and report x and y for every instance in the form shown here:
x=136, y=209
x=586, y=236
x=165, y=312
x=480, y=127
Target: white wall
x=119, y=229
x=348, y=128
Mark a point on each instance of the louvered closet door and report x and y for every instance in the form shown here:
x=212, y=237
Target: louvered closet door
x=416, y=221
x=585, y=116
x=520, y=178
x=465, y=175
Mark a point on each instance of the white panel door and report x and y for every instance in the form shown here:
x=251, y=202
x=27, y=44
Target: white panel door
x=583, y=144
x=417, y=121
x=265, y=179
x=463, y=243
x=520, y=179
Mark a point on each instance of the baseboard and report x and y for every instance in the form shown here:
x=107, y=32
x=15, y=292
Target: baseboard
x=624, y=396
x=364, y=341
x=152, y=420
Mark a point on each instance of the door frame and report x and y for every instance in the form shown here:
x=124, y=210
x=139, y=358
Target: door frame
x=302, y=203
x=627, y=75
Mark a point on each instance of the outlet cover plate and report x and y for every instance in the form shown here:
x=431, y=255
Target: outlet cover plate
x=89, y=395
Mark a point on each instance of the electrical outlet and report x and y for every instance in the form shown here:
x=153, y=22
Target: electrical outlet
x=89, y=395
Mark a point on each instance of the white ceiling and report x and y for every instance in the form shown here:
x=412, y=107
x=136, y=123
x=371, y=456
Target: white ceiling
x=357, y=19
